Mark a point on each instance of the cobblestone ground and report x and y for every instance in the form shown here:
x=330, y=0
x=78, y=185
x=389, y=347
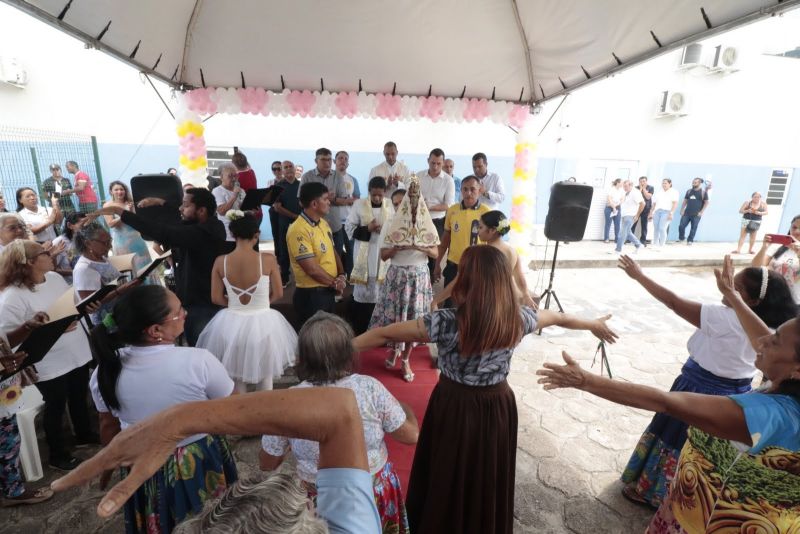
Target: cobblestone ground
x=572, y=446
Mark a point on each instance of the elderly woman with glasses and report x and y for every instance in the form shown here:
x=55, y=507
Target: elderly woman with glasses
x=93, y=270
x=326, y=358
x=28, y=286
x=11, y=227
x=141, y=372
x=41, y=221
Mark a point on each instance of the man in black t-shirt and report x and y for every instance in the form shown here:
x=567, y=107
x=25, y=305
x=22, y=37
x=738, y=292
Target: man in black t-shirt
x=288, y=208
x=695, y=203
x=647, y=194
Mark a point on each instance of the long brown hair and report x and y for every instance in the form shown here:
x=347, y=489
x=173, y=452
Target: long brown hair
x=487, y=308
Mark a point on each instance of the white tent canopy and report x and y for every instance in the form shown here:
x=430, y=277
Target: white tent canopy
x=515, y=50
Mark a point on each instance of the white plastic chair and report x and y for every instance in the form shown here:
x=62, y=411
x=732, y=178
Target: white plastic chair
x=29, y=448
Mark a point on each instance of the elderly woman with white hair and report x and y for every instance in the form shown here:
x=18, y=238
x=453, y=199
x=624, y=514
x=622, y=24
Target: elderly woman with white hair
x=12, y=227
x=325, y=357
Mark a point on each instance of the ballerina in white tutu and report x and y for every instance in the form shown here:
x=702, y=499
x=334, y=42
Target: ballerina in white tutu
x=254, y=342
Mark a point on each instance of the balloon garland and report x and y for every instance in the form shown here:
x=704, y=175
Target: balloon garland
x=197, y=103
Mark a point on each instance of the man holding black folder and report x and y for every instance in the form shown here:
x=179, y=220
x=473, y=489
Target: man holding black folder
x=196, y=244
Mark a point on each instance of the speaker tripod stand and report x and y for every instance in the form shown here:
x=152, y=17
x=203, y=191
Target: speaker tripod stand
x=550, y=292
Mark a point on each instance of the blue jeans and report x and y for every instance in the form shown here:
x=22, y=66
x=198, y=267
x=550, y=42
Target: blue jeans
x=609, y=218
x=626, y=234
x=694, y=220
x=661, y=223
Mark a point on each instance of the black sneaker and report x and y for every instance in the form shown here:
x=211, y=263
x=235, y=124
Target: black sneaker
x=66, y=464
x=88, y=441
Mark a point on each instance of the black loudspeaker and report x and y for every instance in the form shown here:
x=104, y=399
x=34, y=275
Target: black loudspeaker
x=164, y=186
x=569, y=211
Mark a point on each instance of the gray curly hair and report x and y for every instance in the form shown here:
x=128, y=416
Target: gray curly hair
x=277, y=504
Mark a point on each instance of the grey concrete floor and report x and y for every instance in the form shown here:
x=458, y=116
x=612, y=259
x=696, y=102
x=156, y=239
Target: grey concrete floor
x=572, y=446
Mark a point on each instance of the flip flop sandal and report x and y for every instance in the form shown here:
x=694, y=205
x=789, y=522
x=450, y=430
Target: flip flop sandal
x=28, y=497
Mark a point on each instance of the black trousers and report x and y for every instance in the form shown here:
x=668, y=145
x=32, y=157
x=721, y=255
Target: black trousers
x=360, y=315
x=439, y=224
x=282, y=250
x=70, y=389
x=197, y=317
x=449, y=274
x=309, y=300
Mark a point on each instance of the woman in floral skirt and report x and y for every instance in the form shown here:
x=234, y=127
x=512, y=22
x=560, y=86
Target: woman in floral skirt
x=406, y=292
x=142, y=372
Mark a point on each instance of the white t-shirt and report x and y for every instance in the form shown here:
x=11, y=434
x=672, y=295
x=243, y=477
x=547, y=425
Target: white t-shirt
x=20, y=304
x=720, y=345
x=630, y=203
x=662, y=200
x=35, y=218
x=380, y=412
x=222, y=196
x=788, y=266
x=157, y=377
x=616, y=194
x=91, y=275
x=439, y=190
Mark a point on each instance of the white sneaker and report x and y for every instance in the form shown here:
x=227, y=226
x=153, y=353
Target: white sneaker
x=636, y=250
x=614, y=251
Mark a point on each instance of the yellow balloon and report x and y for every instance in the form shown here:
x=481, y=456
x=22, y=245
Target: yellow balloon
x=183, y=160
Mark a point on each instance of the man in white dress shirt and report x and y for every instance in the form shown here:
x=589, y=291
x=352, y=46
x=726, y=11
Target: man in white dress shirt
x=492, y=193
x=391, y=170
x=438, y=190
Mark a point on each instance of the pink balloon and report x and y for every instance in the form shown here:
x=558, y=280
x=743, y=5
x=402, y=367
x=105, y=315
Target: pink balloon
x=301, y=103
x=346, y=105
x=388, y=106
x=517, y=213
x=521, y=160
x=253, y=99
x=518, y=116
x=199, y=101
x=432, y=107
x=476, y=109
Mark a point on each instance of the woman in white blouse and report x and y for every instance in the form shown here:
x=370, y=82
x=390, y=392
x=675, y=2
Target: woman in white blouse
x=325, y=357
x=41, y=220
x=141, y=372
x=28, y=285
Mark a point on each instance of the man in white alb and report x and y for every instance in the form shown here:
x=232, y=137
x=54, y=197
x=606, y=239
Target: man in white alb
x=492, y=192
x=391, y=170
x=438, y=190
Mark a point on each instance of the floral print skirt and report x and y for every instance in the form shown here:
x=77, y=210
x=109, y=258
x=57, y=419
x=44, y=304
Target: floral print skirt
x=197, y=472
x=652, y=465
x=388, y=499
x=405, y=294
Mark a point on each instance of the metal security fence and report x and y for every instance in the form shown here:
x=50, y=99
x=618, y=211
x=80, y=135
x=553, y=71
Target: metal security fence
x=26, y=155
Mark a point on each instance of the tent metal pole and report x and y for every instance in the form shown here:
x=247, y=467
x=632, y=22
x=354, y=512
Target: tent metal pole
x=525, y=48
x=90, y=41
x=159, y=95
x=785, y=5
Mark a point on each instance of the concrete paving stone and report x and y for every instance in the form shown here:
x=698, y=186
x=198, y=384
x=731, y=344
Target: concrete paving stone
x=607, y=488
x=528, y=419
x=582, y=411
x=538, y=443
x=540, y=400
x=562, y=425
x=586, y=455
x=586, y=514
x=572, y=482
x=610, y=438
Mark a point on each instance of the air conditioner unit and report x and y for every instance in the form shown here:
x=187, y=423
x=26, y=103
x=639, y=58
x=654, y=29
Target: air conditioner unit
x=12, y=72
x=691, y=56
x=724, y=59
x=672, y=104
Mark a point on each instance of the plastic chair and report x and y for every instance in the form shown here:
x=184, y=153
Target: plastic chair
x=29, y=448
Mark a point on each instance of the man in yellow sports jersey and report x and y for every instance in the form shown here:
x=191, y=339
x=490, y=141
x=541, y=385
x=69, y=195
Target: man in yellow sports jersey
x=317, y=268
x=460, y=228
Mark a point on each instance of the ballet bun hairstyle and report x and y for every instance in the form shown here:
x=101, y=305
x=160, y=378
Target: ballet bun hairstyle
x=496, y=219
x=244, y=226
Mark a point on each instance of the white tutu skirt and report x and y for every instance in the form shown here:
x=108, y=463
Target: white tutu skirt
x=252, y=346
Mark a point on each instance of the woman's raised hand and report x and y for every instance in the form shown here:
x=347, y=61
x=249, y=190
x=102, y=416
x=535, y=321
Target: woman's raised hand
x=725, y=276
x=601, y=330
x=554, y=376
x=630, y=267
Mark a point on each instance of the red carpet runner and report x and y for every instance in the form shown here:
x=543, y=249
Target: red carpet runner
x=415, y=394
